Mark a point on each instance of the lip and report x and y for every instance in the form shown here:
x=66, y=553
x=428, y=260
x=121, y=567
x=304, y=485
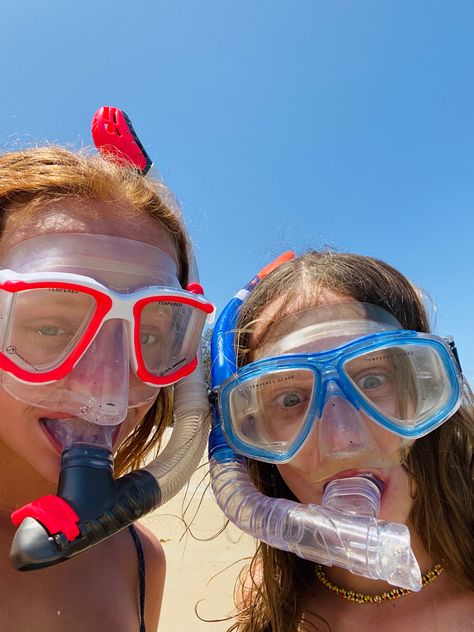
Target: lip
x=58, y=447
x=115, y=437
x=369, y=472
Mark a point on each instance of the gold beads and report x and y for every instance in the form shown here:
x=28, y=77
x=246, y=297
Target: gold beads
x=389, y=595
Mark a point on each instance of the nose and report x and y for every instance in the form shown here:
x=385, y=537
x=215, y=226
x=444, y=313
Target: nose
x=342, y=431
x=99, y=382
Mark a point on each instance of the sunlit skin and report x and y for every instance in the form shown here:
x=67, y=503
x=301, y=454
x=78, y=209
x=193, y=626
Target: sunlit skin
x=30, y=467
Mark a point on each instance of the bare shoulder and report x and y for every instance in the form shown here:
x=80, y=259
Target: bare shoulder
x=71, y=596
x=155, y=572
x=153, y=551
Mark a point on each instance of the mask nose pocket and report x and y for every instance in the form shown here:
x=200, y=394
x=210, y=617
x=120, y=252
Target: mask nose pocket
x=99, y=382
x=342, y=428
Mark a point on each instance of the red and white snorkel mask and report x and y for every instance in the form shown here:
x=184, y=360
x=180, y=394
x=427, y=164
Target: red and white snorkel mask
x=72, y=344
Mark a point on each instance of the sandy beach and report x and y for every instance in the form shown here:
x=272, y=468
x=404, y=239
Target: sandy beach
x=201, y=572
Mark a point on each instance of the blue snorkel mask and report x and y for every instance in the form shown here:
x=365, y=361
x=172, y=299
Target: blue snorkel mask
x=388, y=381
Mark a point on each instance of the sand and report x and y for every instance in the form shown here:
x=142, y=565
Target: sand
x=200, y=574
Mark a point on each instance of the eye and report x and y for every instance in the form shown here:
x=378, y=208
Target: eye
x=147, y=339
x=50, y=330
x=371, y=381
x=288, y=400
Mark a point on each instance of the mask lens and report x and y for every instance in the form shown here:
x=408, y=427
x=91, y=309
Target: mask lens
x=269, y=411
x=408, y=384
x=168, y=333
x=44, y=325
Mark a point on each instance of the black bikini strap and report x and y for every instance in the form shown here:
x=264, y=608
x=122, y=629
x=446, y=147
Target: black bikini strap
x=141, y=575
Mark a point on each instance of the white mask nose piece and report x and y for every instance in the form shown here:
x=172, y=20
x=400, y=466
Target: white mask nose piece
x=342, y=429
x=98, y=386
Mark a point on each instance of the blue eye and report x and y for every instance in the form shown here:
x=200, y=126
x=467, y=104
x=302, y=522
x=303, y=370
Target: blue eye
x=289, y=400
x=371, y=381
x=292, y=399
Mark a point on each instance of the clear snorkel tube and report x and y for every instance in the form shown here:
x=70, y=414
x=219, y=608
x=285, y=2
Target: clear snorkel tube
x=344, y=531
x=91, y=505
x=115, y=137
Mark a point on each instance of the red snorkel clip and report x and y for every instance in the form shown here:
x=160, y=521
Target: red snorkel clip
x=115, y=138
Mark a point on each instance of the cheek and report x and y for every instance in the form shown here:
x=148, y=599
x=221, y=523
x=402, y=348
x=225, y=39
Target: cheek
x=21, y=436
x=305, y=491
x=134, y=418
x=397, y=498
x=393, y=447
x=14, y=421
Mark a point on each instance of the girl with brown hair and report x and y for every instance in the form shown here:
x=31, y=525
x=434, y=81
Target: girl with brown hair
x=344, y=443
x=100, y=331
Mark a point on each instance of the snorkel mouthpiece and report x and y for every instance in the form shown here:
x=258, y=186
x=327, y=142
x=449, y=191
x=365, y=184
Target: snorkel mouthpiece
x=90, y=506
x=344, y=531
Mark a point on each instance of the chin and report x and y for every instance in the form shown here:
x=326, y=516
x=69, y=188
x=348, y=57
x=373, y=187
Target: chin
x=49, y=471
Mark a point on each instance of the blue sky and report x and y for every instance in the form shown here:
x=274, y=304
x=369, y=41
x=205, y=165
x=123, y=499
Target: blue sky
x=278, y=124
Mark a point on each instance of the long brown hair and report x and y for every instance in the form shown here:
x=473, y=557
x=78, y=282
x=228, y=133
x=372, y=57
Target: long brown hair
x=441, y=463
x=32, y=178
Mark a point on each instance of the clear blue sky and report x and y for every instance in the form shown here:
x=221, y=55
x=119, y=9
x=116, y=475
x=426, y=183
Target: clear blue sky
x=277, y=123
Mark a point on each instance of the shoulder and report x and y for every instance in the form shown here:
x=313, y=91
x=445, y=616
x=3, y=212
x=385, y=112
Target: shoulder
x=155, y=572
x=152, y=549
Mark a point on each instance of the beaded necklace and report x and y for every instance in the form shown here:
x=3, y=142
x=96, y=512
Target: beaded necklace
x=358, y=597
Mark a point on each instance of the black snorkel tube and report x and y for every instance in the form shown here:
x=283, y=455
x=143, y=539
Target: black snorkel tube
x=91, y=505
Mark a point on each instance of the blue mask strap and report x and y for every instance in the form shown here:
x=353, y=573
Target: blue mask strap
x=454, y=350
x=223, y=355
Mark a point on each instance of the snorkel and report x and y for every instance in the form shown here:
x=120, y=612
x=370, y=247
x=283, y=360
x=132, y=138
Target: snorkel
x=91, y=504
x=344, y=531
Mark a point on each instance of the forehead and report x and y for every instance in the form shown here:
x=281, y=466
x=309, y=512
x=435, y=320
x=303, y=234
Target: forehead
x=325, y=326
x=115, y=245
x=87, y=216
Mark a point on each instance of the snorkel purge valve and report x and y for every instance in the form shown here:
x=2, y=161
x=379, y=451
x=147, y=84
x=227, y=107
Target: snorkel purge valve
x=343, y=531
x=91, y=504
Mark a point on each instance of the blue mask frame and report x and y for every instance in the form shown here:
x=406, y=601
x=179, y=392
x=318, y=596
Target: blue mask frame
x=327, y=367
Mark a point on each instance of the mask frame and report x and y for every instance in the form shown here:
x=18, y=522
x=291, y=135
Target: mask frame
x=330, y=366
